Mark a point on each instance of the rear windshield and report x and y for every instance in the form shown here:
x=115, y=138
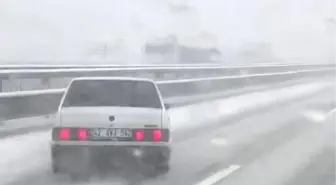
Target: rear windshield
x=121, y=93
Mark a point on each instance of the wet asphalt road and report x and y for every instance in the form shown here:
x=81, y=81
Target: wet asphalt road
x=289, y=144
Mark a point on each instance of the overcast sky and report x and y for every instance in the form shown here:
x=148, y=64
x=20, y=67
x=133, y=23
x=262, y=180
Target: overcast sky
x=74, y=29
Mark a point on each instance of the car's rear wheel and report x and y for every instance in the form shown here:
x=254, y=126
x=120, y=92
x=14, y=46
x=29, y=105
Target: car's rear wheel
x=72, y=162
x=76, y=176
x=55, y=168
x=163, y=165
x=54, y=161
x=155, y=165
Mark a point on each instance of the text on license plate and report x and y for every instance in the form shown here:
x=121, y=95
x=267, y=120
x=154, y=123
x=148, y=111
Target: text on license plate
x=111, y=132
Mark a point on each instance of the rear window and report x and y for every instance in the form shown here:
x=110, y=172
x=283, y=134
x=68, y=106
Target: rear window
x=121, y=93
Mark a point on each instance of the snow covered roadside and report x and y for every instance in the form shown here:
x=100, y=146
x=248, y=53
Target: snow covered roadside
x=193, y=115
x=21, y=125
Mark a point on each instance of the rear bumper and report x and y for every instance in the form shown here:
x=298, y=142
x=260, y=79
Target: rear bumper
x=109, y=143
x=150, y=153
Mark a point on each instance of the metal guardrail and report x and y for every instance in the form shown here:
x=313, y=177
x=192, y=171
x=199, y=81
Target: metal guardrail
x=48, y=73
x=81, y=66
x=34, y=103
x=37, y=79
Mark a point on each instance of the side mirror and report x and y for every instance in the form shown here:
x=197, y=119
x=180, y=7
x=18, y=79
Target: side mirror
x=167, y=106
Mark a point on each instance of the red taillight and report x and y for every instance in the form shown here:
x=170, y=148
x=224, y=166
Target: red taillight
x=82, y=134
x=157, y=135
x=140, y=135
x=64, y=134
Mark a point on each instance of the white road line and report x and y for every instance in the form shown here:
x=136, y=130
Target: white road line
x=215, y=178
x=331, y=112
x=318, y=116
x=315, y=115
x=219, y=141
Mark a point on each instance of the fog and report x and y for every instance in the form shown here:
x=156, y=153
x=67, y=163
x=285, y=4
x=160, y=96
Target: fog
x=59, y=31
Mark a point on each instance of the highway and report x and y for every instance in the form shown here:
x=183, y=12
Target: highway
x=284, y=143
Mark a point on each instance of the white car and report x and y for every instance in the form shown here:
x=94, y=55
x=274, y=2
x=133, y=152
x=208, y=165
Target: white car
x=103, y=120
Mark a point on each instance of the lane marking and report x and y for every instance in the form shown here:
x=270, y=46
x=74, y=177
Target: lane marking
x=215, y=178
x=219, y=141
x=318, y=116
x=331, y=112
x=315, y=115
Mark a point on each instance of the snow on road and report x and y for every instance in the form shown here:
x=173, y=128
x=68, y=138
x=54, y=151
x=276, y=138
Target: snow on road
x=22, y=155
x=190, y=116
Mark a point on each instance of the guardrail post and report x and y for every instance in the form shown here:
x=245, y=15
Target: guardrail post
x=46, y=82
x=11, y=84
x=158, y=75
x=1, y=85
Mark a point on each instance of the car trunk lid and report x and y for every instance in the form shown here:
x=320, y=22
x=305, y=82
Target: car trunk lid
x=116, y=117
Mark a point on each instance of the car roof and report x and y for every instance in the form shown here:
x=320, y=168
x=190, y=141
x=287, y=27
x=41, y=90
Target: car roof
x=113, y=79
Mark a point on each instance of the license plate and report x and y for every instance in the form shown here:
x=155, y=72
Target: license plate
x=111, y=132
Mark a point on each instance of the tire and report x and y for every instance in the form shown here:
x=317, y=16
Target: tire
x=55, y=169
x=149, y=170
x=65, y=161
x=54, y=162
x=163, y=167
x=78, y=176
x=163, y=162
